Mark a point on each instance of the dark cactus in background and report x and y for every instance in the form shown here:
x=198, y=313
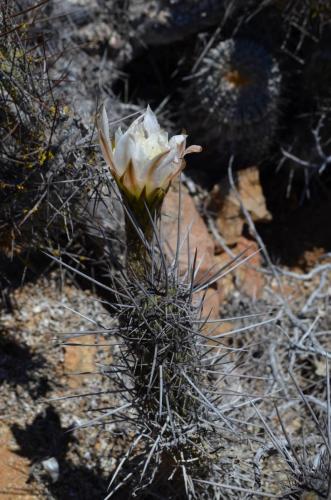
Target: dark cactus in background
x=234, y=100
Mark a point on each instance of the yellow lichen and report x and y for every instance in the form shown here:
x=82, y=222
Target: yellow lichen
x=44, y=156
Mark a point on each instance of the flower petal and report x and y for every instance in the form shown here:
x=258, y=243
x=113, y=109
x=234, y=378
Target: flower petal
x=192, y=149
x=151, y=124
x=118, y=135
x=153, y=168
x=178, y=142
x=107, y=153
x=124, y=152
x=140, y=160
x=137, y=125
x=167, y=166
x=103, y=123
x=129, y=180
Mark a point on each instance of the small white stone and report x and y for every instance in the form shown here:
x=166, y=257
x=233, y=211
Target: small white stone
x=51, y=466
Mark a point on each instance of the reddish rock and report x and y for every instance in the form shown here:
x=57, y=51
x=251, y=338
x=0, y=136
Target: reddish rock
x=79, y=358
x=190, y=223
x=225, y=203
x=211, y=303
x=252, y=197
x=225, y=285
x=229, y=220
x=223, y=332
x=199, y=239
x=246, y=277
x=249, y=279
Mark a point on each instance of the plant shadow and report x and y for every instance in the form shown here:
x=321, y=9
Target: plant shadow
x=297, y=228
x=20, y=366
x=44, y=438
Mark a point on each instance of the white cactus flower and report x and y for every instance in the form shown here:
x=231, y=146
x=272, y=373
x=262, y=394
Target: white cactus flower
x=143, y=160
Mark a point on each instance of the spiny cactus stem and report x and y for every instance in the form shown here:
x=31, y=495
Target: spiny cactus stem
x=137, y=256
x=142, y=236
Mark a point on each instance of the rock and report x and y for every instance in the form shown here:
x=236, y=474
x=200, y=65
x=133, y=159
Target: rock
x=211, y=303
x=250, y=281
x=245, y=278
x=199, y=239
x=221, y=328
x=251, y=193
x=79, y=358
x=15, y=470
x=51, y=466
x=229, y=217
x=160, y=23
x=225, y=285
x=190, y=223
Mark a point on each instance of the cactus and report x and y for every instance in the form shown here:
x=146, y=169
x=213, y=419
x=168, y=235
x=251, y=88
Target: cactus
x=307, y=155
x=160, y=371
x=38, y=137
x=233, y=100
x=305, y=150
x=163, y=381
